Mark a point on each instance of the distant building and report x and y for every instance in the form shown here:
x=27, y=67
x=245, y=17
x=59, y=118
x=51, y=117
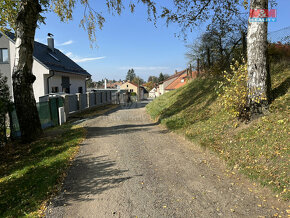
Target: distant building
x=175, y=81
x=115, y=85
x=152, y=93
x=131, y=87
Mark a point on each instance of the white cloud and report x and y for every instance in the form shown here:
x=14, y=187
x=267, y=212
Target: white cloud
x=78, y=59
x=69, y=54
x=145, y=68
x=81, y=60
x=69, y=42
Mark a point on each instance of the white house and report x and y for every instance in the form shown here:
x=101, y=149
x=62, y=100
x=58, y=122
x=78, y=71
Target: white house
x=152, y=93
x=163, y=85
x=54, y=71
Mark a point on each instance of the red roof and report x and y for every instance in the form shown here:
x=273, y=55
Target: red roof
x=178, y=82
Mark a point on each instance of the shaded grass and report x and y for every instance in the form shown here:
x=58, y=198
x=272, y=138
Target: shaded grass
x=30, y=173
x=259, y=150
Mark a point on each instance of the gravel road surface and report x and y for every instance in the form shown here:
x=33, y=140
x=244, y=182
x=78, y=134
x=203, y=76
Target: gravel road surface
x=129, y=166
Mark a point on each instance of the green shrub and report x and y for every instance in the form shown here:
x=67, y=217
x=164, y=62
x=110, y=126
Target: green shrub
x=4, y=106
x=233, y=90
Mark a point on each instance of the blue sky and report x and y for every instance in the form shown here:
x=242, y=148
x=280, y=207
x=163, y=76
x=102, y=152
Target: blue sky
x=129, y=41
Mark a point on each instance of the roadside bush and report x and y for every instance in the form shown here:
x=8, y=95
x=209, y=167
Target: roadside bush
x=278, y=52
x=4, y=105
x=233, y=89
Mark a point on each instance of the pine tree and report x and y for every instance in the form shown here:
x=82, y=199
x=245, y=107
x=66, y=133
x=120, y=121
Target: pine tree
x=161, y=77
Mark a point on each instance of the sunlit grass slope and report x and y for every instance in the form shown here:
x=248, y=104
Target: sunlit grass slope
x=259, y=149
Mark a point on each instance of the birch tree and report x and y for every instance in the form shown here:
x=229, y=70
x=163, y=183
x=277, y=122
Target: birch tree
x=259, y=80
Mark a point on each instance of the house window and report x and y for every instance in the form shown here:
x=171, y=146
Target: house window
x=131, y=90
x=182, y=80
x=127, y=86
x=66, y=90
x=80, y=90
x=3, y=55
x=54, y=89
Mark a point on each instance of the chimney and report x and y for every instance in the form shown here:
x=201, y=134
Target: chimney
x=105, y=83
x=175, y=71
x=50, y=42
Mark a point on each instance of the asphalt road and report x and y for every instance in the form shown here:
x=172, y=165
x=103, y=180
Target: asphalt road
x=130, y=166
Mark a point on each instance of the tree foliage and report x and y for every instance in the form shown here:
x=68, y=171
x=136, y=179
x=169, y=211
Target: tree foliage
x=190, y=13
x=138, y=80
x=218, y=45
x=152, y=79
x=130, y=75
x=90, y=83
x=234, y=90
x=4, y=107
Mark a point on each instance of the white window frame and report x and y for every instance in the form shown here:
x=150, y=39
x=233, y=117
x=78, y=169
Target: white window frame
x=1, y=56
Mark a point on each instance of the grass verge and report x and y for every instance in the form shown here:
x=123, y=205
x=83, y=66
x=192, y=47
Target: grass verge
x=30, y=174
x=259, y=150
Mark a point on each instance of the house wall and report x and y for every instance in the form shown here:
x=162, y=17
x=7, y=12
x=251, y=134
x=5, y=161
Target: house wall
x=38, y=70
x=5, y=68
x=39, y=85
x=166, y=83
x=152, y=93
x=76, y=81
x=130, y=86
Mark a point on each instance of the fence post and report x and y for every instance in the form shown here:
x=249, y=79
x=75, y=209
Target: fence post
x=61, y=115
x=66, y=106
x=79, y=97
x=88, y=99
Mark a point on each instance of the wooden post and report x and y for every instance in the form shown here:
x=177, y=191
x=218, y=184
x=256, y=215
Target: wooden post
x=190, y=71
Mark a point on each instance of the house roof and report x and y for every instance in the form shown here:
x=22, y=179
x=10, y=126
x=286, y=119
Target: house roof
x=131, y=83
x=177, y=83
x=177, y=74
x=53, y=60
x=144, y=89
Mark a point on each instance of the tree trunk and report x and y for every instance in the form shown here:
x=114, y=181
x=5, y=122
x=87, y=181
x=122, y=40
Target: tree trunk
x=208, y=56
x=258, y=76
x=244, y=43
x=23, y=78
x=198, y=67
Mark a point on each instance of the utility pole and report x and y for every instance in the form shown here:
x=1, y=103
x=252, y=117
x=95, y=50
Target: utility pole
x=138, y=90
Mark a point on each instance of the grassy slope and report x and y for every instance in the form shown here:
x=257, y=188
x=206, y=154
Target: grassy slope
x=259, y=150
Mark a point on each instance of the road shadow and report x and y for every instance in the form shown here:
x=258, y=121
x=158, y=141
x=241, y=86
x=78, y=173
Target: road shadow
x=122, y=106
x=94, y=132
x=88, y=177
x=134, y=105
